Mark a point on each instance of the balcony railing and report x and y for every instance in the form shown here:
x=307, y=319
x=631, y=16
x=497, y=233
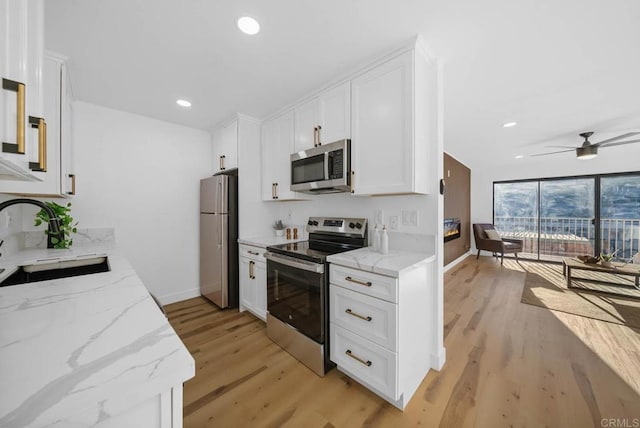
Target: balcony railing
x=564, y=236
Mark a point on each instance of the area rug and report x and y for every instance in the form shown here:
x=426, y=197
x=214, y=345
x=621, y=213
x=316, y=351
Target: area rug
x=548, y=289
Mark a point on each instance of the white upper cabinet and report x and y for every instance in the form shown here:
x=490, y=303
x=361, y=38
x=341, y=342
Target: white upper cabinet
x=392, y=126
x=56, y=177
x=276, y=145
x=334, y=108
x=306, y=125
x=323, y=119
x=225, y=146
x=22, y=125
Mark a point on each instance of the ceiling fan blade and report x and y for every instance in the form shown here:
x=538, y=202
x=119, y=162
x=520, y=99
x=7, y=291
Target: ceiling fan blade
x=553, y=153
x=630, y=134
x=563, y=147
x=619, y=143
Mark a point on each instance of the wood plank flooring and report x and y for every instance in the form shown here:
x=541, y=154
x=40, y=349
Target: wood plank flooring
x=508, y=364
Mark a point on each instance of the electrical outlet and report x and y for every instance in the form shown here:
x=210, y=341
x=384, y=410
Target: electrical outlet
x=378, y=217
x=393, y=222
x=410, y=218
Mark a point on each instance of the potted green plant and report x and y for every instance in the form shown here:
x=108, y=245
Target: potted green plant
x=67, y=226
x=606, y=259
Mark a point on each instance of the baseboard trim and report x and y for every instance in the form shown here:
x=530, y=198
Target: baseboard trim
x=167, y=299
x=456, y=261
x=438, y=359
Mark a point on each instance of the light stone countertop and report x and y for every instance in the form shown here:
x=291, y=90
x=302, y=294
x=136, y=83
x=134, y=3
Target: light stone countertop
x=266, y=241
x=93, y=345
x=390, y=264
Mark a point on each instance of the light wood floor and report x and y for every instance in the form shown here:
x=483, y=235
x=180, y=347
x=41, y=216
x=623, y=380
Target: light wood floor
x=508, y=364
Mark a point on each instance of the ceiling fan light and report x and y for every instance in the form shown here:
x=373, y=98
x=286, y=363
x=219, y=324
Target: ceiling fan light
x=587, y=152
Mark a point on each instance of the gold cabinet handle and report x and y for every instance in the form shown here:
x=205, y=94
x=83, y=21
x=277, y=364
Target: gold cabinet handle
x=315, y=136
x=353, y=174
x=366, y=284
x=357, y=315
x=273, y=190
x=358, y=359
x=41, y=125
x=319, y=128
x=222, y=158
x=251, y=276
x=253, y=252
x=276, y=187
x=73, y=184
x=19, y=89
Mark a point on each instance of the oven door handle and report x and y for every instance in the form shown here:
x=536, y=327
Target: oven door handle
x=295, y=263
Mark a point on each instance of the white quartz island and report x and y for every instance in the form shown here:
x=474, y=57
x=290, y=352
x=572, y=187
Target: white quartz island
x=87, y=350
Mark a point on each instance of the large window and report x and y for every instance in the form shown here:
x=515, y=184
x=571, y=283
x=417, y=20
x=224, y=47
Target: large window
x=560, y=217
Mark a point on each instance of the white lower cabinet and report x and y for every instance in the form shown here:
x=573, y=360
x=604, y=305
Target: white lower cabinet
x=380, y=328
x=253, y=281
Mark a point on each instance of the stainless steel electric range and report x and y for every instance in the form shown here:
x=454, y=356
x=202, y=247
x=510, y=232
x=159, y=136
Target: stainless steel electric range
x=298, y=288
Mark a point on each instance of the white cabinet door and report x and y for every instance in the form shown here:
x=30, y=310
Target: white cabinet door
x=247, y=285
x=260, y=280
x=21, y=50
x=225, y=146
x=67, y=171
x=55, y=180
x=306, y=124
x=276, y=146
x=334, y=111
x=382, y=124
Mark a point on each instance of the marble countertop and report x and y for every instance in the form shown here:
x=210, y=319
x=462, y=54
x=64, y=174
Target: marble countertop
x=266, y=241
x=391, y=264
x=89, y=344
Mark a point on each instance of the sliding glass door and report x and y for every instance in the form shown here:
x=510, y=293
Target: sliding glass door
x=620, y=215
x=564, y=217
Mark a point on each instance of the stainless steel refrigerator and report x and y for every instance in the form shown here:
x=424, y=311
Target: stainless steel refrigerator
x=219, y=239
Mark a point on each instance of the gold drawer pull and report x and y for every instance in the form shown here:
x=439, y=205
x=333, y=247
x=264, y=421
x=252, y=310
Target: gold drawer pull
x=19, y=89
x=73, y=184
x=358, y=359
x=251, y=275
x=357, y=315
x=253, y=252
x=366, y=284
x=41, y=125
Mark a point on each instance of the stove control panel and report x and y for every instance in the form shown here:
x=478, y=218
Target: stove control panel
x=338, y=225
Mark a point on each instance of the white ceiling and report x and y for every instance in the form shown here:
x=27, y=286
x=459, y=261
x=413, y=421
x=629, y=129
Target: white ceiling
x=557, y=68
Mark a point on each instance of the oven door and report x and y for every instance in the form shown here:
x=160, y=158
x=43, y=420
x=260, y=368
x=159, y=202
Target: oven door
x=296, y=294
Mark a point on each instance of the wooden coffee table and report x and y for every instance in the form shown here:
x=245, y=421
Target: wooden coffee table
x=570, y=263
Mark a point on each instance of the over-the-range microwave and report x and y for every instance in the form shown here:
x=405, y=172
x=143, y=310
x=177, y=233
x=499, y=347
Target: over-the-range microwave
x=322, y=169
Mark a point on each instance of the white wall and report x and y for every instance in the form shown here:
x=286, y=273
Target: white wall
x=141, y=176
x=482, y=177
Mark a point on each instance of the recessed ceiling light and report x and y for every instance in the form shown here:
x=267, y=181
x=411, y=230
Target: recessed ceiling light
x=248, y=25
x=519, y=156
x=183, y=103
x=510, y=124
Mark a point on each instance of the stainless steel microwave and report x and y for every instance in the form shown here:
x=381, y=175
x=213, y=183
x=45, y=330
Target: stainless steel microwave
x=322, y=169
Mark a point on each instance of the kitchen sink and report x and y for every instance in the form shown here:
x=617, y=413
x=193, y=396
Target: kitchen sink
x=48, y=269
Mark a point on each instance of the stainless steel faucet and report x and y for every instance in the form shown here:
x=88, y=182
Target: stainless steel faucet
x=54, y=222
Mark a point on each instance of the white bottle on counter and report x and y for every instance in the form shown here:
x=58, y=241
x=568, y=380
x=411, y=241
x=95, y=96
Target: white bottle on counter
x=384, y=241
x=376, y=238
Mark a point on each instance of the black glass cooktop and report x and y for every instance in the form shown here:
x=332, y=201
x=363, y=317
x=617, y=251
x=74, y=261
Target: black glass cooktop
x=313, y=251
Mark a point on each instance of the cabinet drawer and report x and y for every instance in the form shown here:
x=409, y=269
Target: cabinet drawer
x=251, y=252
x=372, y=284
x=369, y=317
x=370, y=364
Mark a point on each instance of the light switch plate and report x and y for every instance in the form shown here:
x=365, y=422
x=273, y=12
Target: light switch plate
x=410, y=218
x=393, y=222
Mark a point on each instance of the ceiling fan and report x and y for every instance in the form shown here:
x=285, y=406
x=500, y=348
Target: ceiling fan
x=589, y=150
